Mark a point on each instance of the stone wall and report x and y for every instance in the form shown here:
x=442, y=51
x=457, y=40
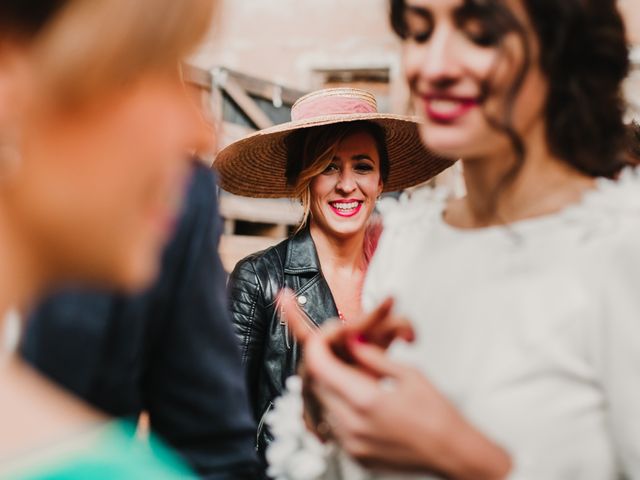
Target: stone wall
x=287, y=40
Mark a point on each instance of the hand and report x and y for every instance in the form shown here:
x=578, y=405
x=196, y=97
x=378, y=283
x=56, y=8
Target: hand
x=389, y=416
x=380, y=327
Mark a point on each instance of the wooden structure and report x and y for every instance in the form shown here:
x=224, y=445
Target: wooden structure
x=240, y=104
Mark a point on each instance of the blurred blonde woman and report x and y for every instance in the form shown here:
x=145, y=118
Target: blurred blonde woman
x=336, y=156
x=94, y=126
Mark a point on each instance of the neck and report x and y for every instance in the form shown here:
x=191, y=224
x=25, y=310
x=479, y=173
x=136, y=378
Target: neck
x=344, y=253
x=543, y=184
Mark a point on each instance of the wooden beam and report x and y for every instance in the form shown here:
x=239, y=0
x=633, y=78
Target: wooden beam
x=263, y=88
x=197, y=76
x=235, y=247
x=246, y=103
x=260, y=210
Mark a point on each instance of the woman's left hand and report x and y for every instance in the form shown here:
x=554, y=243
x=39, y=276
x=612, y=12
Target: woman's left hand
x=389, y=416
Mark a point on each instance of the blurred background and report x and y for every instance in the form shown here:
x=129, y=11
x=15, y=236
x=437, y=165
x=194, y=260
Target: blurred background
x=265, y=54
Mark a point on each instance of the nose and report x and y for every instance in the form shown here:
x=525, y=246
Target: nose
x=346, y=182
x=436, y=63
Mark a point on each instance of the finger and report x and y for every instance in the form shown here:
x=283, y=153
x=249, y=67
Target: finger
x=292, y=314
x=376, y=361
x=392, y=328
x=339, y=415
x=371, y=320
x=327, y=370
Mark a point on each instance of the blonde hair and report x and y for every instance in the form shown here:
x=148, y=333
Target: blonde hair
x=317, y=156
x=311, y=151
x=91, y=46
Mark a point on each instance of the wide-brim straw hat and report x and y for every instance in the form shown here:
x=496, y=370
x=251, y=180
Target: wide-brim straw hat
x=256, y=165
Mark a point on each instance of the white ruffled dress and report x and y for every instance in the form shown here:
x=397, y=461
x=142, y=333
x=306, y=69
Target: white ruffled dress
x=531, y=330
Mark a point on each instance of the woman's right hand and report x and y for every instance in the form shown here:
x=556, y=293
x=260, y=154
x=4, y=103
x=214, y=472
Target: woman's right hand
x=380, y=327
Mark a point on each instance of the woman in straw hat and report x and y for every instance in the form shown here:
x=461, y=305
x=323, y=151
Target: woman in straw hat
x=337, y=155
x=95, y=125
x=524, y=292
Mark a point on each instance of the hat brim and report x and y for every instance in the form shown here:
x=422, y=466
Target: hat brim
x=256, y=165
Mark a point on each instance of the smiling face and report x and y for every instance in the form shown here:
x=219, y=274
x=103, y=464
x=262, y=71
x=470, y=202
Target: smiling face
x=343, y=197
x=461, y=60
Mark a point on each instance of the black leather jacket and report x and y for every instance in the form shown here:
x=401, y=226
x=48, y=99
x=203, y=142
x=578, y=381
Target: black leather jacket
x=269, y=353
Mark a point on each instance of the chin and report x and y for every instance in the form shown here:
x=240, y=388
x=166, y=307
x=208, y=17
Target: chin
x=344, y=231
x=452, y=142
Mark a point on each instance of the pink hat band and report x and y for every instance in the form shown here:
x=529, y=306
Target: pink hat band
x=313, y=106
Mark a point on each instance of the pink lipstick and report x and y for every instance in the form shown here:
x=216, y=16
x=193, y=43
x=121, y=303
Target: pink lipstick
x=346, y=208
x=447, y=108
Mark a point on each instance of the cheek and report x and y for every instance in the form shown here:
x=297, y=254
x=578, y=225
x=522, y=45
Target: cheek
x=532, y=97
x=320, y=187
x=148, y=148
x=370, y=186
x=116, y=181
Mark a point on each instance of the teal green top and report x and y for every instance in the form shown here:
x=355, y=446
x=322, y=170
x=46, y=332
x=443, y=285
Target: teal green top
x=113, y=453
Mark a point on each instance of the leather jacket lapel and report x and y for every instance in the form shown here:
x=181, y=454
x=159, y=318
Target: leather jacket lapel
x=314, y=295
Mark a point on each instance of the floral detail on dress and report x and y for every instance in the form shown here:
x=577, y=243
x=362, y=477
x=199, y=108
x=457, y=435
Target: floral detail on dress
x=613, y=204
x=418, y=206
x=295, y=453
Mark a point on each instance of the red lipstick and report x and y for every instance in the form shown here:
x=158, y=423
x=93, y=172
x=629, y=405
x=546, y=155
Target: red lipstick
x=447, y=108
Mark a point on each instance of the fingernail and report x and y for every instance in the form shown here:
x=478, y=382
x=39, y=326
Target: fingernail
x=362, y=338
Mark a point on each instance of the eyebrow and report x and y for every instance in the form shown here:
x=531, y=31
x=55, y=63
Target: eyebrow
x=362, y=156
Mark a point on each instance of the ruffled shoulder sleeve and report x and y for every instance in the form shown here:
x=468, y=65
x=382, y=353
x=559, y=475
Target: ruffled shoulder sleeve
x=613, y=204
x=405, y=220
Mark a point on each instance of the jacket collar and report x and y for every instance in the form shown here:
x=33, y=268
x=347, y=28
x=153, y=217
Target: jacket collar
x=301, y=254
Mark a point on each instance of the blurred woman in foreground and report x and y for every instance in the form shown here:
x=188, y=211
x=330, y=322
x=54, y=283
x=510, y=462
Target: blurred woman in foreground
x=95, y=127
x=523, y=293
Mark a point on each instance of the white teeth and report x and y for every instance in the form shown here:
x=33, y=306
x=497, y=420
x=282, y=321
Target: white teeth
x=445, y=106
x=345, y=206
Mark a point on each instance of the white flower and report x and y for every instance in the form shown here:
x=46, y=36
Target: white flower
x=295, y=453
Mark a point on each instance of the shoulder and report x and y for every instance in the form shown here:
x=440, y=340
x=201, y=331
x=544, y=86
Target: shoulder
x=199, y=215
x=610, y=215
x=263, y=270
x=605, y=233
x=410, y=206
x=410, y=215
x=200, y=198
x=266, y=260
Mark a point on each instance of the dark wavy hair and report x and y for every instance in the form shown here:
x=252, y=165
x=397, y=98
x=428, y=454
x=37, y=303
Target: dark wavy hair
x=585, y=58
